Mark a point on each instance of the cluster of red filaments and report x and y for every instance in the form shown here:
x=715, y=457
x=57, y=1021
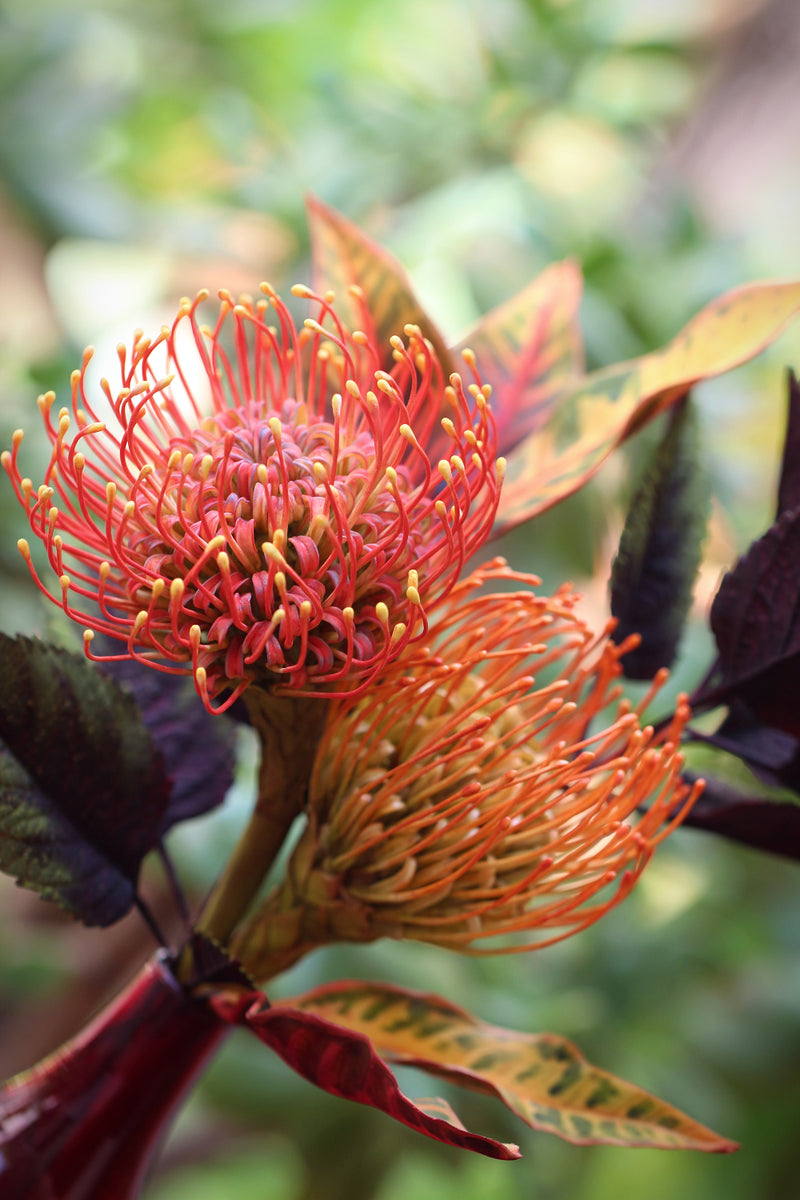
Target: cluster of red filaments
x=474, y=797
x=280, y=520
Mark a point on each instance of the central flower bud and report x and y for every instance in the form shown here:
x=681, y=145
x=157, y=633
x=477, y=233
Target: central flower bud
x=290, y=525
x=314, y=570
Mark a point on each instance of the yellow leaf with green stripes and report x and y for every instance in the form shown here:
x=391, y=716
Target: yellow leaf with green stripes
x=343, y=258
x=589, y=418
x=542, y=1078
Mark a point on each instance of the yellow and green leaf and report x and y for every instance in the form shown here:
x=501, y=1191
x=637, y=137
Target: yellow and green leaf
x=555, y=424
x=529, y=349
x=542, y=1078
x=343, y=258
x=587, y=419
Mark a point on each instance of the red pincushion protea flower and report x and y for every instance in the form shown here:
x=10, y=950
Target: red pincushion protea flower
x=288, y=528
x=467, y=797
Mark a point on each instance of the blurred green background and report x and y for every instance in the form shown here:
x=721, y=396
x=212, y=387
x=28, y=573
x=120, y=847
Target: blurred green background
x=149, y=149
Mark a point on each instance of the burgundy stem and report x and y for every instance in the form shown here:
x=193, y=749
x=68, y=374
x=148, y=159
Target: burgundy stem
x=84, y=1123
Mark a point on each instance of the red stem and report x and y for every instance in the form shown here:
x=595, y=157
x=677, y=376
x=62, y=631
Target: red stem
x=84, y=1123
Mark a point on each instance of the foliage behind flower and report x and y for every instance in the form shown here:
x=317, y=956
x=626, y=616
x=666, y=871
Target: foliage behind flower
x=293, y=530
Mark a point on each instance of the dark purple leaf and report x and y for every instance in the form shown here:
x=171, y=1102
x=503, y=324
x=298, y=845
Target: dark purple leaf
x=204, y=962
x=755, y=619
x=659, y=552
x=750, y=819
x=83, y=790
x=789, y=485
x=772, y=756
x=198, y=748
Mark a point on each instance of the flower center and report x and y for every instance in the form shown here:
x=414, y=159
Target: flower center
x=313, y=539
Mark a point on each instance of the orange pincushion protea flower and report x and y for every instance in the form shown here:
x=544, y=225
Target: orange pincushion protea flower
x=467, y=797
x=288, y=527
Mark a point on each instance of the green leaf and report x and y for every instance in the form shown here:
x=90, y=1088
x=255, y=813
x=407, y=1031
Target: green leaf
x=660, y=550
x=541, y=1077
x=587, y=419
x=83, y=791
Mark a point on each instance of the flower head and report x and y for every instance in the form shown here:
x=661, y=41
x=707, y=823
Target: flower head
x=282, y=523
x=468, y=797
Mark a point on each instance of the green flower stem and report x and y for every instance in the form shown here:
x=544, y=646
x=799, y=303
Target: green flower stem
x=289, y=729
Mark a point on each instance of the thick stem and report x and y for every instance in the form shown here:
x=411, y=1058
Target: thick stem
x=84, y=1123
x=289, y=730
x=305, y=911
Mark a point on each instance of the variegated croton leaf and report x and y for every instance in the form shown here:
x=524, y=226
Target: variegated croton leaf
x=556, y=424
x=341, y=1036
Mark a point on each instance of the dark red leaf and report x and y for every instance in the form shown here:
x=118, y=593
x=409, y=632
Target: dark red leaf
x=345, y=1064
